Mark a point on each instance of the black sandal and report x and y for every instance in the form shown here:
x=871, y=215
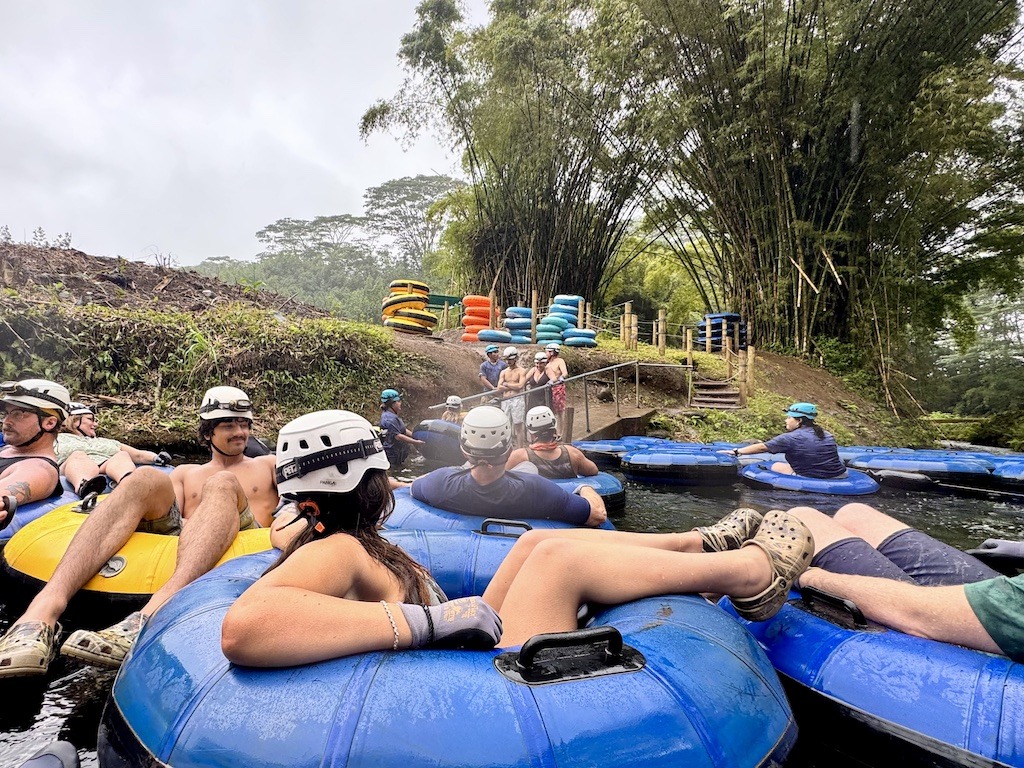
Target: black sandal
x=95, y=485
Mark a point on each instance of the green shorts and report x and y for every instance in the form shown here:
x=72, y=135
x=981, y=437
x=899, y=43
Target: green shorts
x=170, y=524
x=999, y=605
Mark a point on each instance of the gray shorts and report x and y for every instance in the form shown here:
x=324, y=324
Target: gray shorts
x=170, y=524
x=907, y=555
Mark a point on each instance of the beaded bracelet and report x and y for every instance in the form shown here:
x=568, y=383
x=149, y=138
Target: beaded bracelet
x=394, y=627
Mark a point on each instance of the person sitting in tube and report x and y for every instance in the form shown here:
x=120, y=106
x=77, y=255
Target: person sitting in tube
x=810, y=451
x=369, y=595
x=87, y=460
x=546, y=452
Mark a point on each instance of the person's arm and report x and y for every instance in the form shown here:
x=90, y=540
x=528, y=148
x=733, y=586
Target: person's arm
x=517, y=457
x=406, y=437
x=583, y=466
x=26, y=481
x=746, y=450
x=298, y=613
x=138, y=455
x=598, y=511
x=935, y=613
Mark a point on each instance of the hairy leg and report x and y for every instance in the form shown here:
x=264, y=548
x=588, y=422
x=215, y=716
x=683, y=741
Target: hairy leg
x=106, y=529
x=79, y=467
x=205, y=536
x=513, y=562
x=868, y=523
x=561, y=574
x=938, y=613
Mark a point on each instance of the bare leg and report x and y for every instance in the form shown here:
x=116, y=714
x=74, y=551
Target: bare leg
x=79, y=467
x=117, y=466
x=146, y=494
x=513, y=562
x=561, y=574
x=826, y=530
x=868, y=523
x=782, y=468
x=205, y=536
x=938, y=613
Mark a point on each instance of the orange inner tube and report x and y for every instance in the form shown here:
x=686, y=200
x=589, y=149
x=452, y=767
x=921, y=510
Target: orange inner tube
x=469, y=337
x=474, y=300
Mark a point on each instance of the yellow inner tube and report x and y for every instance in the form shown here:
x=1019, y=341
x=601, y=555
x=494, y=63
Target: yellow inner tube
x=421, y=316
x=402, y=301
x=409, y=286
x=146, y=561
x=408, y=326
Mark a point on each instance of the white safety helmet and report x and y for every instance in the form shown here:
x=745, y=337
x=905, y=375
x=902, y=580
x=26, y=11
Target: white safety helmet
x=454, y=402
x=38, y=394
x=540, y=418
x=225, y=403
x=326, y=452
x=540, y=357
x=510, y=352
x=486, y=433
x=81, y=409
x=553, y=347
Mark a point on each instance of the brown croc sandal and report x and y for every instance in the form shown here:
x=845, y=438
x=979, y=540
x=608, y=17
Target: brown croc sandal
x=789, y=546
x=731, y=531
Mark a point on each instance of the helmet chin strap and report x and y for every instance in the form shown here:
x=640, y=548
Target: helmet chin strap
x=39, y=434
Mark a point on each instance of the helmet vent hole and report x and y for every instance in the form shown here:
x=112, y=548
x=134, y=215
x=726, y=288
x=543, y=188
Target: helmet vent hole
x=284, y=447
x=325, y=440
x=303, y=445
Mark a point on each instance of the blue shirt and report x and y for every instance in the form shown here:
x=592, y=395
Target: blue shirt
x=491, y=371
x=391, y=425
x=808, y=454
x=514, y=494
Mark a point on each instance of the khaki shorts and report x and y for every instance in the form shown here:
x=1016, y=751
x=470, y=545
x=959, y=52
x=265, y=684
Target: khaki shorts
x=170, y=524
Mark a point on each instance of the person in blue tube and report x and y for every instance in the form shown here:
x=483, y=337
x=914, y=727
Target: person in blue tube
x=339, y=588
x=810, y=450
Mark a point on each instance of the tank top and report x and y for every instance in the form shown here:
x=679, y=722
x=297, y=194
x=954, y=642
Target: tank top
x=536, y=398
x=7, y=462
x=557, y=468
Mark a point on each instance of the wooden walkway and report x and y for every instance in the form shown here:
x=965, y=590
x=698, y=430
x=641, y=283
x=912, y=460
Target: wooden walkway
x=604, y=424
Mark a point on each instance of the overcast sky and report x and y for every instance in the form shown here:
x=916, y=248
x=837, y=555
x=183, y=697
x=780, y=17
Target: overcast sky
x=184, y=127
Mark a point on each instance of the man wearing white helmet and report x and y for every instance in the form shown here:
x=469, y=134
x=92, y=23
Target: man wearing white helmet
x=545, y=452
x=484, y=489
x=205, y=505
x=557, y=372
x=32, y=411
x=511, y=383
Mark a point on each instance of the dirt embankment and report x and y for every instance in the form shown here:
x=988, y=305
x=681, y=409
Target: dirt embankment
x=47, y=277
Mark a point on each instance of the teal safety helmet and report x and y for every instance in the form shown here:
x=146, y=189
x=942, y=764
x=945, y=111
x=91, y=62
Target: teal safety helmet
x=802, y=411
x=390, y=396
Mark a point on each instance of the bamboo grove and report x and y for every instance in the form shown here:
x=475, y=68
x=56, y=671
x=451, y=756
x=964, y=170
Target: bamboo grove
x=832, y=170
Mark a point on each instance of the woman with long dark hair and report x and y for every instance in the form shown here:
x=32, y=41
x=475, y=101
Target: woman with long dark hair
x=339, y=588
x=810, y=450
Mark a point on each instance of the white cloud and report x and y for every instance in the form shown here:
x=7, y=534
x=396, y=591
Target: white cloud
x=185, y=127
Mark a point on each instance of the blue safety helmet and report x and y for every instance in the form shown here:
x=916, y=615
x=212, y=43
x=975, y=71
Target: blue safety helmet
x=491, y=348
x=802, y=411
x=390, y=396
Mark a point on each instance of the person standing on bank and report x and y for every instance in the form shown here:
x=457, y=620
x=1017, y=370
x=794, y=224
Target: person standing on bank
x=396, y=436
x=557, y=372
x=491, y=368
x=511, y=383
x=810, y=450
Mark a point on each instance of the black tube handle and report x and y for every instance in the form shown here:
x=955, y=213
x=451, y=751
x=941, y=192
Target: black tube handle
x=590, y=636
x=810, y=594
x=501, y=521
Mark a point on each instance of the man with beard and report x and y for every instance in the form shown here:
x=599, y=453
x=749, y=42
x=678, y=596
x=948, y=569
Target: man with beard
x=205, y=505
x=31, y=411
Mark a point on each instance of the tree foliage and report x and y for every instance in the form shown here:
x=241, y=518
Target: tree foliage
x=535, y=102
x=851, y=169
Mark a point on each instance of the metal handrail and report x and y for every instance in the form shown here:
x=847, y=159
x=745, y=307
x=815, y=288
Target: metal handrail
x=635, y=364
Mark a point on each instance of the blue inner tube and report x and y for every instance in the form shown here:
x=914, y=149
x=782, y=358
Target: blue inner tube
x=958, y=706
x=516, y=339
x=588, y=333
x=441, y=441
x=491, y=334
x=683, y=662
x=580, y=341
x=519, y=312
x=412, y=513
x=518, y=323
x=608, y=486
x=855, y=483
x=568, y=298
x=678, y=467
x=553, y=320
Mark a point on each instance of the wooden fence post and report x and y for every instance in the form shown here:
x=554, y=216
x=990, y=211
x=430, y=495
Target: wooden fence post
x=587, y=322
x=689, y=347
x=750, y=369
x=490, y=315
x=662, y=321
x=534, y=301
x=627, y=312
